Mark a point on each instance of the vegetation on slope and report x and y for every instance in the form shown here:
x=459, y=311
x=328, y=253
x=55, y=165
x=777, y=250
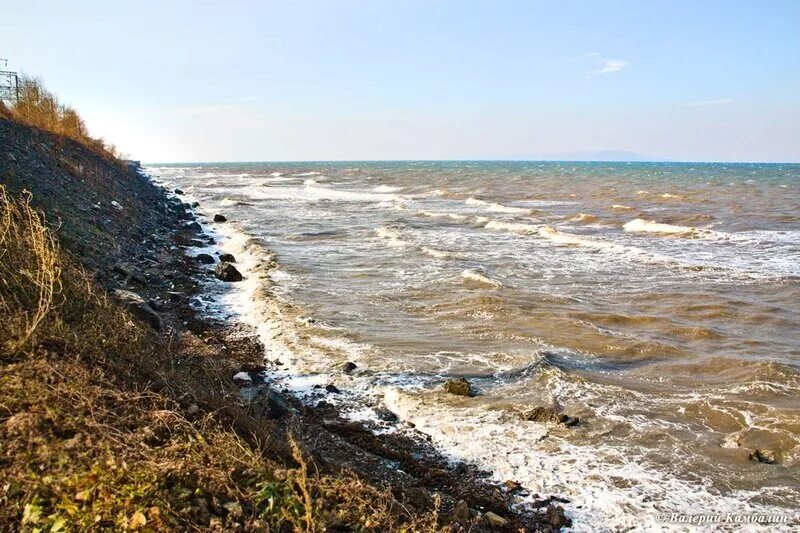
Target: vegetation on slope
x=82, y=447
x=38, y=107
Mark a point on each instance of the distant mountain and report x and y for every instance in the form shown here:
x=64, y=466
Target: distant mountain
x=589, y=155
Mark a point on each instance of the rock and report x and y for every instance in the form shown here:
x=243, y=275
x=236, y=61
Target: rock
x=138, y=307
x=349, y=367
x=512, y=486
x=116, y=205
x=227, y=258
x=192, y=226
x=460, y=512
x=460, y=387
x=11, y=157
x=129, y=273
x=195, y=204
x=762, y=456
x=556, y=517
x=386, y=415
x=178, y=191
x=495, y=520
x=242, y=377
x=419, y=498
x=548, y=415
x=227, y=272
x=332, y=389
x=206, y=259
x=220, y=218
x=267, y=403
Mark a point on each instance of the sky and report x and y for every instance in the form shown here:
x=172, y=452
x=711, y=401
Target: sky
x=356, y=80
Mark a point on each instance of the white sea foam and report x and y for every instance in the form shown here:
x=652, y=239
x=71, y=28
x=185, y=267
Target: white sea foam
x=648, y=226
x=619, y=207
x=387, y=188
x=307, y=174
x=478, y=277
x=392, y=236
x=433, y=214
x=495, y=207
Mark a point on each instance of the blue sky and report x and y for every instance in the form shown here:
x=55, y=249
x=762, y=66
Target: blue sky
x=238, y=80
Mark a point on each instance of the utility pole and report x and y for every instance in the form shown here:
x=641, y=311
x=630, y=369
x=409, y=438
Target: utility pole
x=9, y=83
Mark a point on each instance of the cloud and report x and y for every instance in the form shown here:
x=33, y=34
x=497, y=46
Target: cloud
x=705, y=103
x=593, y=54
x=612, y=65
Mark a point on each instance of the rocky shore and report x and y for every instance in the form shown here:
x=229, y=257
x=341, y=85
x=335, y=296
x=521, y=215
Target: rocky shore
x=133, y=236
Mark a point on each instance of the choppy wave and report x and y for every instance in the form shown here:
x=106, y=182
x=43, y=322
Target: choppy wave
x=475, y=276
x=648, y=226
x=495, y=207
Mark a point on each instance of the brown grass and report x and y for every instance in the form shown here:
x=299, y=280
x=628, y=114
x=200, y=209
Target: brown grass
x=38, y=107
x=94, y=434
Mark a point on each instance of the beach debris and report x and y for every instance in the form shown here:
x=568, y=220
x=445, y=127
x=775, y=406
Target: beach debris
x=349, y=367
x=220, y=218
x=138, y=307
x=206, y=259
x=227, y=272
x=548, y=415
x=495, y=520
x=116, y=205
x=227, y=258
x=762, y=456
x=460, y=387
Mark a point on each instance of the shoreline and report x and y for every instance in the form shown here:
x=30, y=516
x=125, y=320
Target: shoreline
x=406, y=460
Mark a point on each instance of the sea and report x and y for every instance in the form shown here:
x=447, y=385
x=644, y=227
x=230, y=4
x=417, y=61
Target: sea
x=657, y=302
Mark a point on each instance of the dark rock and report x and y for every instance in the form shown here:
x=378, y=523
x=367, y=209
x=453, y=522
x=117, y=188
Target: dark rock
x=192, y=226
x=206, y=259
x=11, y=157
x=420, y=498
x=129, y=273
x=138, y=307
x=220, y=218
x=556, y=517
x=460, y=387
x=349, y=367
x=386, y=415
x=548, y=415
x=762, y=456
x=227, y=258
x=332, y=388
x=195, y=204
x=178, y=191
x=268, y=404
x=227, y=272
x=460, y=513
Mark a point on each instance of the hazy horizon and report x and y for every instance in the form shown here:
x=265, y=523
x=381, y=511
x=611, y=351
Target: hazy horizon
x=351, y=80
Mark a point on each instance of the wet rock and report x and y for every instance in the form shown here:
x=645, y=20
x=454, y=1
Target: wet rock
x=556, y=517
x=349, y=367
x=227, y=272
x=386, y=415
x=495, y=520
x=460, y=387
x=267, y=403
x=192, y=226
x=512, y=486
x=138, y=307
x=227, y=258
x=195, y=204
x=129, y=273
x=178, y=191
x=548, y=415
x=206, y=259
x=762, y=456
x=220, y=218
x=332, y=389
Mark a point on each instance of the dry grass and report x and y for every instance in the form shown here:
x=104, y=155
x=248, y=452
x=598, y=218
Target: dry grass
x=36, y=106
x=93, y=435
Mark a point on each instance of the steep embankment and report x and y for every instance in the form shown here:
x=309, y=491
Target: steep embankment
x=110, y=422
